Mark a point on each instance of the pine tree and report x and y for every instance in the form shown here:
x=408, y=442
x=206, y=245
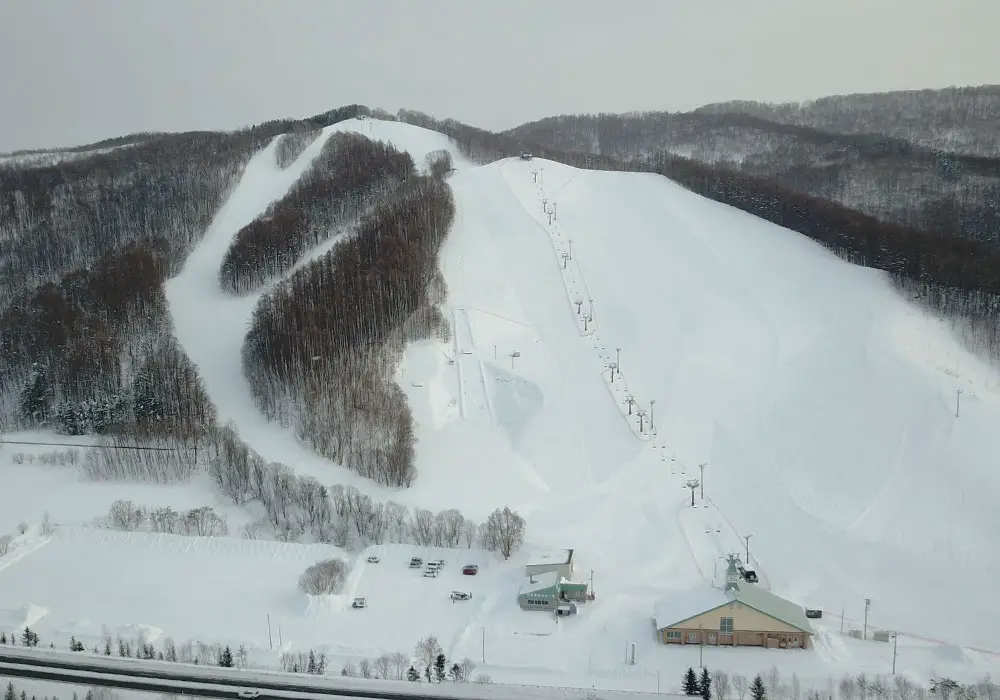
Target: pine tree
x=311, y=667
x=29, y=638
x=321, y=664
x=705, y=686
x=107, y=647
x=24, y=695
x=3, y=637
x=757, y=691
x=691, y=683
x=455, y=672
x=9, y=695
x=412, y=675
x=440, y=670
x=226, y=658
x=36, y=396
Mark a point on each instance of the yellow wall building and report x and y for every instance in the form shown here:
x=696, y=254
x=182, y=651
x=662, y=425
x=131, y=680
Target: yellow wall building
x=741, y=614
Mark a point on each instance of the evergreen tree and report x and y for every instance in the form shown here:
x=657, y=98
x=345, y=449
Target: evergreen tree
x=29, y=638
x=226, y=658
x=412, y=675
x=321, y=664
x=3, y=637
x=757, y=691
x=691, y=683
x=705, y=686
x=36, y=396
x=9, y=695
x=24, y=695
x=311, y=667
x=455, y=672
x=107, y=647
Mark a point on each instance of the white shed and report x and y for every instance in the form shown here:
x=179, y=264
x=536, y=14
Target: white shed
x=559, y=561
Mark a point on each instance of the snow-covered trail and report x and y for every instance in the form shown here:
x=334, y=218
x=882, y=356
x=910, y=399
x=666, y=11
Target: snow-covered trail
x=211, y=325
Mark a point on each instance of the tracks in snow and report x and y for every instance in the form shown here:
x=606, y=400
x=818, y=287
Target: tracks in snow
x=473, y=388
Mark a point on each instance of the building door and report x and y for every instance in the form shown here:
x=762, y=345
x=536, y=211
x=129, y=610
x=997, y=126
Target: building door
x=711, y=638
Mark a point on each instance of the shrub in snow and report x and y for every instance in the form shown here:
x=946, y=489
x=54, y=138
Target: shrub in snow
x=5, y=544
x=323, y=577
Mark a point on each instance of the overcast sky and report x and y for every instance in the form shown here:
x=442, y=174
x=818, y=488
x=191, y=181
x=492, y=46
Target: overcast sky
x=75, y=71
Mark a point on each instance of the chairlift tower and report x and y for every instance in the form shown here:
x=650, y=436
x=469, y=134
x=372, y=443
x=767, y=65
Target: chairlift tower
x=693, y=485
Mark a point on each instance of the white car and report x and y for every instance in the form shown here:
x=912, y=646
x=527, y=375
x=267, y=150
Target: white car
x=431, y=573
x=461, y=595
x=249, y=694
x=373, y=559
x=359, y=603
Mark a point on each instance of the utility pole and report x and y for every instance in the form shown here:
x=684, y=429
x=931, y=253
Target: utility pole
x=747, y=540
x=702, y=468
x=618, y=356
x=895, y=636
x=958, y=401
x=571, y=247
x=484, y=645
x=701, y=646
x=652, y=425
x=270, y=642
x=868, y=604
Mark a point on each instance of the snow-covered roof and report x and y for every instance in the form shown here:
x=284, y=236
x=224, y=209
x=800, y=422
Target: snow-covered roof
x=540, y=582
x=683, y=605
x=695, y=601
x=549, y=557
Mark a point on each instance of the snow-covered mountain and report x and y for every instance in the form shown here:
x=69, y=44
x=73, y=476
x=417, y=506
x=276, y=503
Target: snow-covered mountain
x=823, y=406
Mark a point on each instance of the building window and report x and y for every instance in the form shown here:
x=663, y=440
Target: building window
x=673, y=634
x=726, y=625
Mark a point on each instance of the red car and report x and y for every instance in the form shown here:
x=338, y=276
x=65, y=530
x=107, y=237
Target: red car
x=470, y=569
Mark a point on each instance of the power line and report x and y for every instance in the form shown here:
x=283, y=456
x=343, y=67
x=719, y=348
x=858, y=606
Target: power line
x=82, y=444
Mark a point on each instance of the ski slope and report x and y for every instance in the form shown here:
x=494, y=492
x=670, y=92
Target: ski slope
x=820, y=401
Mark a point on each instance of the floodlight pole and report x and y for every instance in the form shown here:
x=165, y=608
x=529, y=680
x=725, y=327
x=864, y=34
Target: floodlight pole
x=747, y=540
x=702, y=468
x=868, y=604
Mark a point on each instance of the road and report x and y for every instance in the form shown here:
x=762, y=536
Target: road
x=84, y=669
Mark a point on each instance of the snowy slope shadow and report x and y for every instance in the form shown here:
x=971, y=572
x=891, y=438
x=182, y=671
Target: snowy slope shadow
x=516, y=401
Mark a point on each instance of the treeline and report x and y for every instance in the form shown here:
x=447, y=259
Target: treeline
x=347, y=175
x=323, y=345
x=64, y=349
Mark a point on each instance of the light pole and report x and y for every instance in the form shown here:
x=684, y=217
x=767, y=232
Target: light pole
x=618, y=356
x=747, y=540
x=513, y=356
x=702, y=468
x=652, y=425
x=958, y=401
x=895, y=636
x=868, y=604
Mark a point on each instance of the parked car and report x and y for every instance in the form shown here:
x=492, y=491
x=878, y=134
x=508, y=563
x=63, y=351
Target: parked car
x=373, y=559
x=460, y=595
x=359, y=603
x=416, y=563
x=431, y=573
x=470, y=569
x=435, y=564
x=249, y=694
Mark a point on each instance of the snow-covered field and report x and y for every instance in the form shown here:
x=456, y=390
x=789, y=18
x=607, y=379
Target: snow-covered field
x=822, y=404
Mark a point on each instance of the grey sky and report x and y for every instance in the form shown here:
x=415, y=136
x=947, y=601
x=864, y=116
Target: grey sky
x=75, y=71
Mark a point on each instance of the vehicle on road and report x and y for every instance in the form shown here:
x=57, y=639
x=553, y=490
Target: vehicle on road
x=460, y=595
x=470, y=569
x=431, y=573
x=416, y=563
x=249, y=694
x=373, y=559
x=359, y=603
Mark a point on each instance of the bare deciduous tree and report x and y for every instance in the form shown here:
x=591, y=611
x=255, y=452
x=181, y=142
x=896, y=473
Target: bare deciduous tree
x=323, y=577
x=503, y=532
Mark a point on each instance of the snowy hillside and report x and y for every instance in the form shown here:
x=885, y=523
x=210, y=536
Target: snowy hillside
x=822, y=404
